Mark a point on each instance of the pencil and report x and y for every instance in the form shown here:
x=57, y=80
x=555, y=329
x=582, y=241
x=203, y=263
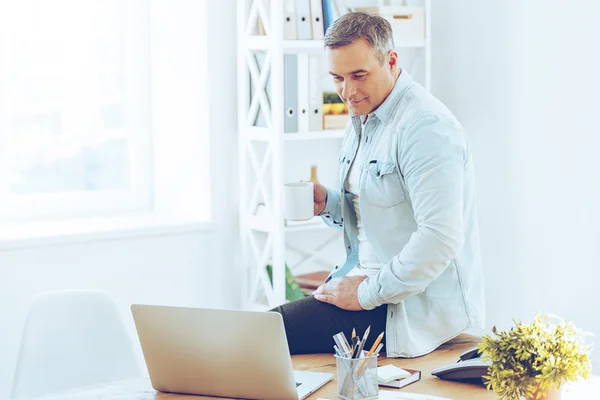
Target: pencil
x=366, y=335
x=370, y=353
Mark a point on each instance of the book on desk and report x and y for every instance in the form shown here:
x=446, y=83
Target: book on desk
x=415, y=376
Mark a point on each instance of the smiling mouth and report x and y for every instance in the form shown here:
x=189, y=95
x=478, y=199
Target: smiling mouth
x=354, y=103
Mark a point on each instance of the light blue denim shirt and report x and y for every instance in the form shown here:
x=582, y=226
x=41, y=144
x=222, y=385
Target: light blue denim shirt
x=417, y=202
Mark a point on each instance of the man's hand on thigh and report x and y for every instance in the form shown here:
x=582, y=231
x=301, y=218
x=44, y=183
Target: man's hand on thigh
x=341, y=292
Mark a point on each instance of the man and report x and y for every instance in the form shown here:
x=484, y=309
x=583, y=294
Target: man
x=406, y=206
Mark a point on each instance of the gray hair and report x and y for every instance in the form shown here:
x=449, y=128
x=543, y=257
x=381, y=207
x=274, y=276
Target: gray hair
x=353, y=26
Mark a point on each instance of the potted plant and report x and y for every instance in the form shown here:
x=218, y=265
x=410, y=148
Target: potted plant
x=532, y=360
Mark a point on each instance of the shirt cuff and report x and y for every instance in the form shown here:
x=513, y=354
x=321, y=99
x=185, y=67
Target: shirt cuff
x=367, y=294
x=333, y=201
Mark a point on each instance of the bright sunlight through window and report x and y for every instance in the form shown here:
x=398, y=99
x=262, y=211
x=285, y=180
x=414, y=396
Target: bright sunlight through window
x=74, y=107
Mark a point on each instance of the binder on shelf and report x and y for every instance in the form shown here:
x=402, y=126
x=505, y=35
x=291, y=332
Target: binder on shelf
x=289, y=20
x=328, y=15
x=290, y=93
x=303, y=22
x=303, y=93
x=315, y=94
x=316, y=17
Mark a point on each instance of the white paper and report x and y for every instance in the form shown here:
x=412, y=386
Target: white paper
x=389, y=395
x=390, y=372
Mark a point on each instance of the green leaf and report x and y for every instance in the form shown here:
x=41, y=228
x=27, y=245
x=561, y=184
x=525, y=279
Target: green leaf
x=293, y=291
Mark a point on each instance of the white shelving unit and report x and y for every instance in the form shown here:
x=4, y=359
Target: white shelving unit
x=263, y=239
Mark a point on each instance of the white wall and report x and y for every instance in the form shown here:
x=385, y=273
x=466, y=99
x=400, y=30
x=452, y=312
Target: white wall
x=193, y=269
x=523, y=79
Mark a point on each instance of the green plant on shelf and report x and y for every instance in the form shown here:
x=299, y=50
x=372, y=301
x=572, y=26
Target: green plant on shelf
x=331, y=98
x=292, y=289
x=333, y=105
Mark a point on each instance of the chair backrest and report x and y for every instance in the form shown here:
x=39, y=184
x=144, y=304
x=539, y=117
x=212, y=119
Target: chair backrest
x=72, y=338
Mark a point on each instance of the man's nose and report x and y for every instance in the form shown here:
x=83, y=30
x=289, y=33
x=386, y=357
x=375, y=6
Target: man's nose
x=348, y=89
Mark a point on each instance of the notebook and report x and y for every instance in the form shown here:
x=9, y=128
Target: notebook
x=414, y=376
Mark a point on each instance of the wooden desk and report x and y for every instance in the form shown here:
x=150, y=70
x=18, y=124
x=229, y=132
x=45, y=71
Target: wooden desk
x=429, y=384
x=141, y=389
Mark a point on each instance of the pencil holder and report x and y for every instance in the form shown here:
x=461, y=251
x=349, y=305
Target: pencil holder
x=357, y=378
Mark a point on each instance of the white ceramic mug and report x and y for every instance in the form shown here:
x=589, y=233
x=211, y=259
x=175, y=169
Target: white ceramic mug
x=298, y=201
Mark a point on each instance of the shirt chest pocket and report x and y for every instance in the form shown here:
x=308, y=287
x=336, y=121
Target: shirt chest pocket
x=381, y=184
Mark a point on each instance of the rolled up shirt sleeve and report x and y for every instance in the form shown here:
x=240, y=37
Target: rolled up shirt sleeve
x=332, y=214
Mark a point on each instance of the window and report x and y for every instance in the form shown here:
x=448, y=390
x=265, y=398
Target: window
x=103, y=109
x=74, y=107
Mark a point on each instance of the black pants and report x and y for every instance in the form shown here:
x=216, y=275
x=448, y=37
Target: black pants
x=310, y=325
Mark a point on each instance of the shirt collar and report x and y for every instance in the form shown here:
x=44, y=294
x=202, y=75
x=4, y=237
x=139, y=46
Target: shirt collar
x=383, y=111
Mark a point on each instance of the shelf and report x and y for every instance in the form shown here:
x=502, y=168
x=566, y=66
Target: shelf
x=316, y=223
x=317, y=135
x=264, y=135
x=262, y=224
x=263, y=149
x=295, y=46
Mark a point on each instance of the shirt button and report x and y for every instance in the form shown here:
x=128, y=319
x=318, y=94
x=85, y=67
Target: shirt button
x=348, y=161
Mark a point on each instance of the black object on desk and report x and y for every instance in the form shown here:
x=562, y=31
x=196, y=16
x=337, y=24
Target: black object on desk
x=469, y=368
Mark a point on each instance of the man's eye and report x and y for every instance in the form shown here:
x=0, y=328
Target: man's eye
x=360, y=76
x=338, y=78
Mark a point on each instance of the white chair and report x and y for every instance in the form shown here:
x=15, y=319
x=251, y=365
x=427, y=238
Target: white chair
x=72, y=338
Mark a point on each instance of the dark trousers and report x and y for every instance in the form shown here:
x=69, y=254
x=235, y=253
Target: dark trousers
x=310, y=325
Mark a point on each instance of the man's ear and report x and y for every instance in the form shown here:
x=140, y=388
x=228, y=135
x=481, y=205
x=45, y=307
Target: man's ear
x=392, y=59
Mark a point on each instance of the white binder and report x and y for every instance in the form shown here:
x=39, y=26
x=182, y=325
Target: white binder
x=315, y=93
x=303, y=93
x=316, y=14
x=289, y=20
x=303, y=22
x=290, y=93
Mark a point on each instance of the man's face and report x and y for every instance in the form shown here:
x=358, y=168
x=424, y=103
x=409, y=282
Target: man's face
x=361, y=80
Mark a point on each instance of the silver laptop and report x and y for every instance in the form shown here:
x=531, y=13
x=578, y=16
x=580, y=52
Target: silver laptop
x=239, y=354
